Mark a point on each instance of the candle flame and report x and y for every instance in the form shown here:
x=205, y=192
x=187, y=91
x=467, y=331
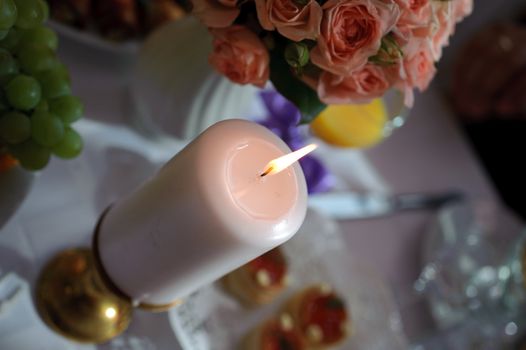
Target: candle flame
x=279, y=164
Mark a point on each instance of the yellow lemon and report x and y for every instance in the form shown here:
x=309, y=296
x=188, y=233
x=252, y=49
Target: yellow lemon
x=356, y=125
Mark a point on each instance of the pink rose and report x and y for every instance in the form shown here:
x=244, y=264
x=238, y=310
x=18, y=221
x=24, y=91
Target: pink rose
x=442, y=27
x=293, y=21
x=310, y=80
x=215, y=13
x=415, y=14
x=462, y=9
x=445, y=14
x=360, y=87
x=415, y=71
x=240, y=55
x=351, y=31
x=403, y=34
x=419, y=64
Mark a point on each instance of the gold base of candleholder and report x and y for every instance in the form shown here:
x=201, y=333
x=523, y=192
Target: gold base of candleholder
x=75, y=301
x=76, y=297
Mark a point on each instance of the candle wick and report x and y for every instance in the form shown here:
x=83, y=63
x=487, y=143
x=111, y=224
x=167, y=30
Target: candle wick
x=266, y=172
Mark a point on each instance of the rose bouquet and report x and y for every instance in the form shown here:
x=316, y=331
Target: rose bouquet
x=319, y=52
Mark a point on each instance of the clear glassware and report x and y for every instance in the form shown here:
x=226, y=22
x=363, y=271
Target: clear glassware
x=174, y=90
x=397, y=112
x=472, y=279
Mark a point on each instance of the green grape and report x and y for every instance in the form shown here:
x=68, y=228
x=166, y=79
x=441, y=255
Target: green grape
x=68, y=108
x=54, y=83
x=45, y=10
x=8, y=14
x=3, y=33
x=46, y=128
x=10, y=42
x=4, y=80
x=30, y=14
x=31, y=155
x=60, y=70
x=8, y=66
x=23, y=92
x=15, y=127
x=42, y=106
x=63, y=71
x=36, y=58
x=70, y=146
x=40, y=35
x=4, y=105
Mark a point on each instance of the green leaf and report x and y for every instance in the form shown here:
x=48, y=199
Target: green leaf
x=293, y=89
x=389, y=53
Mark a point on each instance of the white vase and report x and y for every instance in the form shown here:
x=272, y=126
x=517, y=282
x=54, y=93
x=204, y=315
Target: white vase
x=175, y=91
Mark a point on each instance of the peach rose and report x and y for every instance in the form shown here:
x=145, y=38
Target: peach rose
x=442, y=27
x=293, y=21
x=351, y=31
x=415, y=71
x=462, y=9
x=403, y=34
x=415, y=14
x=215, y=13
x=361, y=86
x=310, y=80
x=419, y=64
x=240, y=55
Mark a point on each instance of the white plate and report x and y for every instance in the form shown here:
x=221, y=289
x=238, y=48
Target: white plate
x=212, y=320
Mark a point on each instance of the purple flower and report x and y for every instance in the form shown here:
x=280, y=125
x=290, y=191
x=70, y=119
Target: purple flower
x=280, y=109
x=316, y=174
x=283, y=119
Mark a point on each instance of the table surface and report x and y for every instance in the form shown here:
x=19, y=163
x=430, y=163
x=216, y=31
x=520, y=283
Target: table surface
x=428, y=154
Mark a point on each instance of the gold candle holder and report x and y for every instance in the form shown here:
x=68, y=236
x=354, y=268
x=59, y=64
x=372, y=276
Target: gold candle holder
x=76, y=298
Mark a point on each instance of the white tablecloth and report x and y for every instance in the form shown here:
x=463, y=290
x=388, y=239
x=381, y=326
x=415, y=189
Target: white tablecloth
x=428, y=154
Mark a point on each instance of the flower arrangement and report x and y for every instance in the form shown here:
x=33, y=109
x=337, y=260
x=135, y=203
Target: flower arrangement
x=319, y=52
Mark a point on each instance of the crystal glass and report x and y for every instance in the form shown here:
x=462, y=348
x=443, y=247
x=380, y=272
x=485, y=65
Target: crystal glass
x=397, y=112
x=472, y=278
x=175, y=92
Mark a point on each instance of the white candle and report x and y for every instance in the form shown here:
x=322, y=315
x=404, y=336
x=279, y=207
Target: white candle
x=207, y=212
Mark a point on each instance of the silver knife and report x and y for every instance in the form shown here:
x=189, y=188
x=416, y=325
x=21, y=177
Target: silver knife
x=354, y=206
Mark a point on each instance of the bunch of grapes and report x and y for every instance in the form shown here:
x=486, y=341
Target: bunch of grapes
x=36, y=105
